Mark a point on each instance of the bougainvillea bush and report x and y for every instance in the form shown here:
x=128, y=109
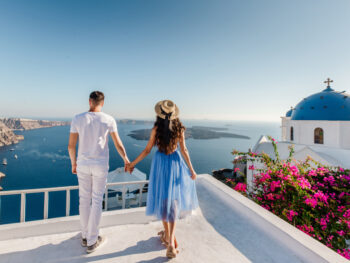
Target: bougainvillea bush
x=312, y=197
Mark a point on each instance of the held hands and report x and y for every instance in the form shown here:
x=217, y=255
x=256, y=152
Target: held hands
x=129, y=167
x=74, y=168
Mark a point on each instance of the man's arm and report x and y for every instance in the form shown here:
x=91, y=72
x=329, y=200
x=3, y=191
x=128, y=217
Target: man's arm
x=72, y=149
x=120, y=147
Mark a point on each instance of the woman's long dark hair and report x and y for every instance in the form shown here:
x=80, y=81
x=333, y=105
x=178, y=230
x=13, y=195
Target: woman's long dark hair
x=168, y=134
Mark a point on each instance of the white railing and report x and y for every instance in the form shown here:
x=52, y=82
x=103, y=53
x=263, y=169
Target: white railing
x=46, y=192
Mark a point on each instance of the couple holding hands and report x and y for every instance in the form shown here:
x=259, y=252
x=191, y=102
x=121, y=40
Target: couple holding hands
x=171, y=189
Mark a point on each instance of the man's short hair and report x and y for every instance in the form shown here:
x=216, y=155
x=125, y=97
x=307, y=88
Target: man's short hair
x=97, y=97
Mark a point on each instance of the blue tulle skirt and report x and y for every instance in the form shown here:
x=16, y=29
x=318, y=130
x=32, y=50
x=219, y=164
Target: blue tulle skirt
x=171, y=191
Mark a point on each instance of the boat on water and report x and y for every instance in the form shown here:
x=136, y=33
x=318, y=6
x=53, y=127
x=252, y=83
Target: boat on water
x=12, y=149
x=4, y=161
x=16, y=156
x=2, y=175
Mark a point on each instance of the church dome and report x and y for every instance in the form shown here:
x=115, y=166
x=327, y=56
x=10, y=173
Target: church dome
x=327, y=105
x=289, y=113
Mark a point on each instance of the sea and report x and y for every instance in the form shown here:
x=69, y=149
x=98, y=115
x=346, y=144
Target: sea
x=43, y=161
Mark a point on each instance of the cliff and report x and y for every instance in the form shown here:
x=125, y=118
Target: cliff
x=27, y=124
x=7, y=136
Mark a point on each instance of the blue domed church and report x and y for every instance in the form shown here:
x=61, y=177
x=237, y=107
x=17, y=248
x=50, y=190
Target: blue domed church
x=319, y=119
x=317, y=127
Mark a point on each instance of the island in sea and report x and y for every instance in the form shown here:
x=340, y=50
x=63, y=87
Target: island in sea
x=195, y=132
x=135, y=122
x=8, y=125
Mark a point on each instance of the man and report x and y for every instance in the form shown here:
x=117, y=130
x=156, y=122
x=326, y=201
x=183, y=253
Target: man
x=92, y=129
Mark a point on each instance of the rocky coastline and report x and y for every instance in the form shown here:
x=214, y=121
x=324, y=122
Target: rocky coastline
x=7, y=136
x=28, y=124
x=8, y=125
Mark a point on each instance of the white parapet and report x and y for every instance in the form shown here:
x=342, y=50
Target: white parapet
x=228, y=227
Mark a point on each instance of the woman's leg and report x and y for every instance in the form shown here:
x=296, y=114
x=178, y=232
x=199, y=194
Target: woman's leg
x=166, y=231
x=172, y=233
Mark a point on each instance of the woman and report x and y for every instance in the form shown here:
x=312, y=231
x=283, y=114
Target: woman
x=171, y=191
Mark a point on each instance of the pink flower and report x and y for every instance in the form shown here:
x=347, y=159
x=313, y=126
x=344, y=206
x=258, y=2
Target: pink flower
x=306, y=229
x=304, y=183
x=274, y=185
x=340, y=208
x=321, y=196
x=273, y=140
x=329, y=238
x=341, y=233
x=241, y=187
x=252, y=154
x=294, y=170
x=329, y=179
x=251, y=167
x=236, y=170
x=270, y=196
x=264, y=177
x=347, y=214
x=290, y=214
x=345, y=253
x=323, y=223
x=311, y=202
x=266, y=207
x=340, y=196
x=312, y=173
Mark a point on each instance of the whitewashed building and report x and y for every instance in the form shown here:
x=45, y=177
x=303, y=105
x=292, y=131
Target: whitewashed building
x=320, y=119
x=318, y=126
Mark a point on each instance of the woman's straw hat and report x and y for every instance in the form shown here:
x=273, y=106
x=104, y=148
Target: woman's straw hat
x=166, y=109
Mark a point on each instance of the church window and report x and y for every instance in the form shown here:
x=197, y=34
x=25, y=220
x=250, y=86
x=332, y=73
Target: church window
x=318, y=136
x=292, y=133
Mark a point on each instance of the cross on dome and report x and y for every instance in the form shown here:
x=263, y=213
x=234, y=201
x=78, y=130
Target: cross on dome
x=328, y=81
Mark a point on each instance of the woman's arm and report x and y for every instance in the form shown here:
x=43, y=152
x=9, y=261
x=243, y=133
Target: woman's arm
x=146, y=151
x=186, y=155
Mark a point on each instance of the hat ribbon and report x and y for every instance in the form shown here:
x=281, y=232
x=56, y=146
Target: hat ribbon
x=167, y=115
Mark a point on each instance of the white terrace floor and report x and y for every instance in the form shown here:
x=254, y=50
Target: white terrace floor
x=227, y=228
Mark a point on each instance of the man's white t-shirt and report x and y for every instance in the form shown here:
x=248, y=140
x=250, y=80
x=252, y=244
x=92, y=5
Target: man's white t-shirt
x=93, y=129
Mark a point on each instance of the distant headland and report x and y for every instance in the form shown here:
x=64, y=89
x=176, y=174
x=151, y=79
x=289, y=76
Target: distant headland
x=8, y=125
x=28, y=124
x=195, y=132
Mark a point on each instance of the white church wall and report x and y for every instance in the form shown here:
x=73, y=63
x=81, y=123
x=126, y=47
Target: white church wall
x=284, y=128
x=345, y=134
x=304, y=132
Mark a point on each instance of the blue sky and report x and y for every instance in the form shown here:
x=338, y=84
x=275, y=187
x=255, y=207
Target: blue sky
x=229, y=60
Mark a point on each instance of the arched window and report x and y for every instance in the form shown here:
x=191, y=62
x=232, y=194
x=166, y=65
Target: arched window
x=292, y=133
x=318, y=136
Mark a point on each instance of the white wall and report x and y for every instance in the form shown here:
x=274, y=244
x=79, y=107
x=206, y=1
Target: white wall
x=284, y=127
x=336, y=133
x=345, y=134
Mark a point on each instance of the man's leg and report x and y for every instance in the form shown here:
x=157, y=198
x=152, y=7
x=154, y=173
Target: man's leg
x=85, y=193
x=99, y=180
